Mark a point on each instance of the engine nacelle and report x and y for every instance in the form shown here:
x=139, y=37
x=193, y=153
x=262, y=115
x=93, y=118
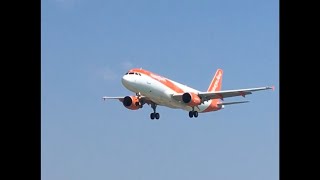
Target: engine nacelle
x=131, y=102
x=191, y=99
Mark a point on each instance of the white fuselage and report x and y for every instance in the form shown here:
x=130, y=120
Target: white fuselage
x=159, y=92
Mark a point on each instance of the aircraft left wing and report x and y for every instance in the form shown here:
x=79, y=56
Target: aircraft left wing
x=230, y=103
x=206, y=96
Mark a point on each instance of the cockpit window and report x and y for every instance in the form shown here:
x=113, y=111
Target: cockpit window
x=136, y=73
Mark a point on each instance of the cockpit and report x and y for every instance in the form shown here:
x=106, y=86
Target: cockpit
x=133, y=73
x=131, y=79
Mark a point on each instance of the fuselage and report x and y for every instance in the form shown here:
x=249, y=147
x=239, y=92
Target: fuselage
x=160, y=89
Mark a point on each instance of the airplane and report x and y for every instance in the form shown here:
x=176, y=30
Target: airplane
x=154, y=90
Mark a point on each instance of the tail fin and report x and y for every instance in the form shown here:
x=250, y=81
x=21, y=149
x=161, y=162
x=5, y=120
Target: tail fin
x=216, y=82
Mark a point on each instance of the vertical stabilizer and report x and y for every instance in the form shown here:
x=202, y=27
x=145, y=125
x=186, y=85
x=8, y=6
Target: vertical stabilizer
x=216, y=82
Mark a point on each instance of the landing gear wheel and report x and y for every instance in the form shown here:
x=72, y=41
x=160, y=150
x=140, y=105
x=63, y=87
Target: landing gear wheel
x=190, y=114
x=195, y=113
x=157, y=115
x=152, y=116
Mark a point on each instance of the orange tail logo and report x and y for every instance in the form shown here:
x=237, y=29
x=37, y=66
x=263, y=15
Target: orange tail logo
x=216, y=82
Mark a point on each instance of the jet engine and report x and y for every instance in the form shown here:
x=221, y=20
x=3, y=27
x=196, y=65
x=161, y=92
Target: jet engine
x=131, y=102
x=191, y=99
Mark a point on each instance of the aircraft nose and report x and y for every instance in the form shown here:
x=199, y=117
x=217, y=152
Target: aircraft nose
x=126, y=80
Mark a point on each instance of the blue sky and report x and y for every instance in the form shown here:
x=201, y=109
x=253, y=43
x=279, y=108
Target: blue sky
x=86, y=47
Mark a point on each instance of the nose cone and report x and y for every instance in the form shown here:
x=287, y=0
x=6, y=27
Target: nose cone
x=127, y=80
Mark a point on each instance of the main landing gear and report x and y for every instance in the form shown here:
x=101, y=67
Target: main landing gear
x=193, y=113
x=154, y=114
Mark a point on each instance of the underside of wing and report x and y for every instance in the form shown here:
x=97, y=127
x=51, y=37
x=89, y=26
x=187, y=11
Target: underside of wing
x=230, y=93
x=119, y=98
x=143, y=99
x=206, y=96
x=230, y=103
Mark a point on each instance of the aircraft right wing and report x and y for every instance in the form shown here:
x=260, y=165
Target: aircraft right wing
x=119, y=98
x=143, y=99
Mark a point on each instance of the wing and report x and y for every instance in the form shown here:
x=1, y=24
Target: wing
x=143, y=99
x=206, y=96
x=119, y=98
x=230, y=103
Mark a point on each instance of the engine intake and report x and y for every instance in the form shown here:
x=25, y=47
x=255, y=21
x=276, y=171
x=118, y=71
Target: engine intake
x=127, y=101
x=131, y=102
x=191, y=99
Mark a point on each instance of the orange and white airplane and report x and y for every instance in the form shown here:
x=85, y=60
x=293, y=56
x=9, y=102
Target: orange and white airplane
x=157, y=90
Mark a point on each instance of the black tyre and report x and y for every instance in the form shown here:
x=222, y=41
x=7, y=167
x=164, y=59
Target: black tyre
x=195, y=113
x=157, y=115
x=152, y=116
x=190, y=114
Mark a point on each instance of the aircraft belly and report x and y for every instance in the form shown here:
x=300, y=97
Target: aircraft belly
x=161, y=95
